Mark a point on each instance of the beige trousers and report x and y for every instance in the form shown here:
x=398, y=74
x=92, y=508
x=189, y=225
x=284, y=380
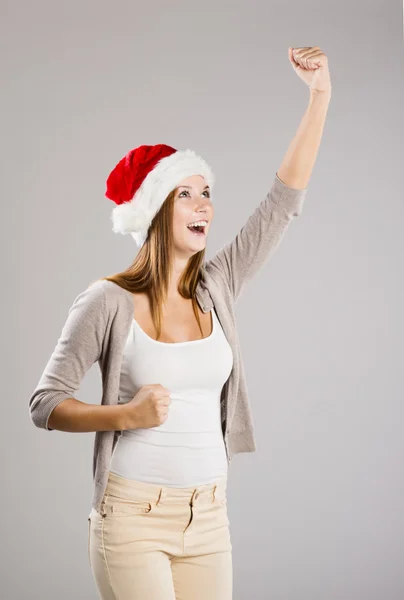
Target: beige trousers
x=152, y=542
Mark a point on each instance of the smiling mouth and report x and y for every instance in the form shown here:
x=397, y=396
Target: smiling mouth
x=197, y=230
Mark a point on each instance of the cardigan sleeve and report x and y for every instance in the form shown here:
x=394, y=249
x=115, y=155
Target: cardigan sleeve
x=239, y=260
x=78, y=347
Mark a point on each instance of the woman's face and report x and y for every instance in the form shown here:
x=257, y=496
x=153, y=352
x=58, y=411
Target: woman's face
x=192, y=204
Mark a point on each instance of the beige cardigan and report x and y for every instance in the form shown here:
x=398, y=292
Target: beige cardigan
x=99, y=319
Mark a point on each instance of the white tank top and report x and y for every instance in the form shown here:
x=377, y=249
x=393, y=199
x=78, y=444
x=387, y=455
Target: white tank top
x=188, y=448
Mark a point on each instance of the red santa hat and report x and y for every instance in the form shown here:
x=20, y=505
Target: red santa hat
x=142, y=180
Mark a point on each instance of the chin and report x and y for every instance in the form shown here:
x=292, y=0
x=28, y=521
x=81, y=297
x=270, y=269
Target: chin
x=197, y=248
x=198, y=242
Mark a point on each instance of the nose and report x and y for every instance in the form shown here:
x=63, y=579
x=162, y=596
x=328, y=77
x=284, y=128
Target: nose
x=203, y=205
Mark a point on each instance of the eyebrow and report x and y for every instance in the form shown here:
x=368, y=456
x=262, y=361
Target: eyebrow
x=190, y=186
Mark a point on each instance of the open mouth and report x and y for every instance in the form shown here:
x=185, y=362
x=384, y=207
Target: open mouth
x=197, y=229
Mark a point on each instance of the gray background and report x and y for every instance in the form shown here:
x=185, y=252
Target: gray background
x=316, y=513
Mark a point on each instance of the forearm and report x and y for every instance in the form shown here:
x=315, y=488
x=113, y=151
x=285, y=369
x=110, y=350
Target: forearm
x=72, y=415
x=298, y=162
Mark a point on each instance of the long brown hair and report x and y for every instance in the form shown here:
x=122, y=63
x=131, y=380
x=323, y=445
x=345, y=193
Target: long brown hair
x=149, y=272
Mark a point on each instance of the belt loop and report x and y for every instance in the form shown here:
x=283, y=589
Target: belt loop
x=102, y=508
x=195, y=495
x=160, y=495
x=214, y=494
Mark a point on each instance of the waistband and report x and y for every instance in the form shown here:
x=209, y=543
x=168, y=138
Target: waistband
x=130, y=489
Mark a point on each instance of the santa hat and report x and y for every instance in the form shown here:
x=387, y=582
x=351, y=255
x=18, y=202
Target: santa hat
x=142, y=180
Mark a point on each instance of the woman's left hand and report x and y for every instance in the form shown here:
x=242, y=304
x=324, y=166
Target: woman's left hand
x=311, y=65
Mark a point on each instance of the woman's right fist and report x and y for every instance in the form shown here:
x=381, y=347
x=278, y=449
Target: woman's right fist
x=148, y=408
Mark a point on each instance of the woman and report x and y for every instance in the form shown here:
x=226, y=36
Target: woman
x=174, y=407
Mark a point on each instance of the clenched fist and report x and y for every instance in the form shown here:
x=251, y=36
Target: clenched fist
x=148, y=408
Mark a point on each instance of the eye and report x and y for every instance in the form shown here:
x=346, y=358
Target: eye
x=187, y=192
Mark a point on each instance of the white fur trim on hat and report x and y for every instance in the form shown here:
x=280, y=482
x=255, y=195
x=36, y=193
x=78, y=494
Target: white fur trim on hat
x=135, y=216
